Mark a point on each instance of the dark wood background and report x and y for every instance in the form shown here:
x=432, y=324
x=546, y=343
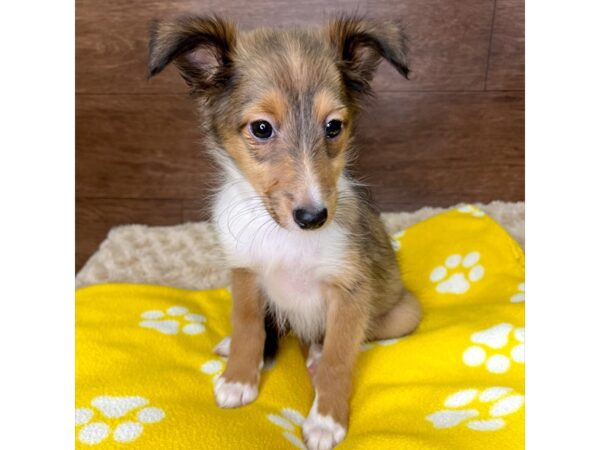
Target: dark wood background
x=455, y=132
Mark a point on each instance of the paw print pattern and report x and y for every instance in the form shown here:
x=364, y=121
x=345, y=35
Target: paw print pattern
x=290, y=421
x=480, y=410
x=216, y=367
x=383, y=343
x=175, y=317
x=457, y=283
x=519, y=297
x=114, y=412
x=213, y=367
x=395, y=240
x=496, y=338
x=470, y=209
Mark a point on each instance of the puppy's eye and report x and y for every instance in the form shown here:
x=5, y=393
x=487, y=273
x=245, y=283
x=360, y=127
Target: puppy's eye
x=261, y=129
x=333, y=128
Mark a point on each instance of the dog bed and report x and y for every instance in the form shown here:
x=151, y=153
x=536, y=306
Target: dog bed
x=145, y=363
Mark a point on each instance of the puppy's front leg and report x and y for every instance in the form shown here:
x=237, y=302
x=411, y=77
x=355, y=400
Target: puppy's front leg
x=327, y=422
x=239, y=383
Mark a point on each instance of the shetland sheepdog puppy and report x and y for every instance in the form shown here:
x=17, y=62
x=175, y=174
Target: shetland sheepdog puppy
x=308, y=252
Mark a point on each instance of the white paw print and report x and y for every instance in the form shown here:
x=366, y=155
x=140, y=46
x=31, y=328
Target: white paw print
x=216, y=366
x=291, y=422
x=496, y=338
x=520, y=295
x=213, y=367
x=457, y=283
x=382, y=342
x=112, y=408
x=395, y=240
x=489, y=407
x=170, y=322
x=470, y=209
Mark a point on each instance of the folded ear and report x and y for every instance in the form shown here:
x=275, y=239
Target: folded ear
x=360, y=46
x=200, y=47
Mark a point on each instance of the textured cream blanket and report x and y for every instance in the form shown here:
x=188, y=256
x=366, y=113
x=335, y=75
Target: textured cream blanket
x=145, y=364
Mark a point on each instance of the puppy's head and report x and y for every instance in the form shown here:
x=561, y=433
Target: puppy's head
x=281, y=104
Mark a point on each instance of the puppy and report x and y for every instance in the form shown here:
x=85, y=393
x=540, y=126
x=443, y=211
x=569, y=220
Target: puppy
x=308, y=252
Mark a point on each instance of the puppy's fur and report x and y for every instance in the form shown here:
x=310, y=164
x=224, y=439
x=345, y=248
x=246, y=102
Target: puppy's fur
x=335, y=285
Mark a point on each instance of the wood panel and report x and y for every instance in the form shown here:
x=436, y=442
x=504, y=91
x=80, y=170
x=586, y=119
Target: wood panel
x=139, y=146
x=439, y=149
x=507, y=54
x=95, y=217
x=449, y=40
x=420, y=139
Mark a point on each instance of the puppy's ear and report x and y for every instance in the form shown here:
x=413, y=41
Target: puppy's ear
x=361, y=44
x=200, y=47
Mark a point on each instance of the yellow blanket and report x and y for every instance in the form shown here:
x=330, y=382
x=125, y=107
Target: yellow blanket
x=144, y=360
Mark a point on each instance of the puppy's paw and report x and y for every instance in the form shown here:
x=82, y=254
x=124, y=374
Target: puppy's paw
x=322, y=432
x=231, y=394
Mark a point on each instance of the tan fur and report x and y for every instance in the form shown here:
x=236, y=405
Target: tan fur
x=399, y=321
x=248, y=333
x=273, y=104
x=347, y=317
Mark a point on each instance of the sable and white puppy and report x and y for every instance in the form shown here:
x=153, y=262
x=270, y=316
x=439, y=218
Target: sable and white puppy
x=308, y=253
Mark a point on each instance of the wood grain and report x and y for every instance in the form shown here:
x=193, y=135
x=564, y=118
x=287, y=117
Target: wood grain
x=507, y=54
x=95, y=217
x=139, y=146
x=449, y=40
x=145, y=146
x=439, y=149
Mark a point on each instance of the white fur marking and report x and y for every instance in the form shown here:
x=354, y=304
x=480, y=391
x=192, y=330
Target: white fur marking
x=321, y=432
x=291, y=264
x=314, y=354
x=314, y=191
x=222, y=348
x=232, y=395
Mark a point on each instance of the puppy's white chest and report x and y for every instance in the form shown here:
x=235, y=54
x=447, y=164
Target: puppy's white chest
x=291, y=265
x=295, y=296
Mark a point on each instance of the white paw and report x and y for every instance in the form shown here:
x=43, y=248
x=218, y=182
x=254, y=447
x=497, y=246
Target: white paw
x=321, y=432
x=232, y=395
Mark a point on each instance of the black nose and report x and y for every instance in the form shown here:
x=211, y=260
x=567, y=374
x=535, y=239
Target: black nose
x=310, y=220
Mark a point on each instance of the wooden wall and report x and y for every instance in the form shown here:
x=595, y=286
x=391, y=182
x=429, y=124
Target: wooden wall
x=455, y=132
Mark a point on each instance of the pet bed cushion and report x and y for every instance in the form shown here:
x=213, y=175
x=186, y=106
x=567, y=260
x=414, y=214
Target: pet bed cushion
x=145, y=365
